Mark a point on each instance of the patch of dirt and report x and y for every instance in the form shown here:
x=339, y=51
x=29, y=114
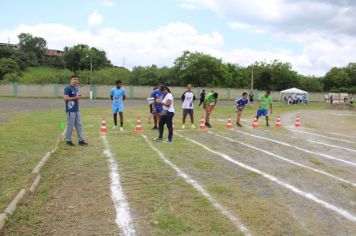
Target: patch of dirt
x=343, y=106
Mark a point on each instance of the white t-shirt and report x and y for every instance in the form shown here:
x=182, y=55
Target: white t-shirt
x=168, y=96
x=188, y=100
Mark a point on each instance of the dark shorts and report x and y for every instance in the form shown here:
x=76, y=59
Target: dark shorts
x=188, y=111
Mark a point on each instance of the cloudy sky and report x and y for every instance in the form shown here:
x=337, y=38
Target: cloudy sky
x=312, y=35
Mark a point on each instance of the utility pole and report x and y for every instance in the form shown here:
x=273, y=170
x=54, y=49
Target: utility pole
x=91, y=76
x=252, y=78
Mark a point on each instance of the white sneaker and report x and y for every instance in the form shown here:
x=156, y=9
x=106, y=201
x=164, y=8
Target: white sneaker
x=121, y=129
x=114, y=127
x=193, y=126
x=183, y=126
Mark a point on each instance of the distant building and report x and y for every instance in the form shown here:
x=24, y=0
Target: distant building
x=49, y=52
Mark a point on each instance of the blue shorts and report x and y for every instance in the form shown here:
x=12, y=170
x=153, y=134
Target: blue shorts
x=262, y=112
x=117, y=108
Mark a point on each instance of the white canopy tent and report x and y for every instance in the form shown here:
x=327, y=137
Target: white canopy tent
x=293, y=91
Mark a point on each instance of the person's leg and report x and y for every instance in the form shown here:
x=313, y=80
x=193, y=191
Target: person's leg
x=70, y=125
x=185, y=113
x=115, y=118
x=238, y=117
x=121, y=118
x=162, y=122
x=267, y=121
x=78, y=126
x=155, y=120
x=169, y=125
x=191, y=114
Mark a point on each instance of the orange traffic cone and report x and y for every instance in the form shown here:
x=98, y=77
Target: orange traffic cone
x=138, y=125
x=297, y=122
x=103, y=128
x=255, y=123
x=202, y=124
x=229, y=123
x=278, y=122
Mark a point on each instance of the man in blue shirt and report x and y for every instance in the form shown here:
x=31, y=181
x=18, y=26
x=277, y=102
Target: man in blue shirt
x=71, y=98
x=157, y=106
x=117, y=96
x=240, y=105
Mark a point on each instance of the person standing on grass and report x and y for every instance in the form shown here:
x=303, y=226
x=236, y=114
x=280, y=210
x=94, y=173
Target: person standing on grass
x=156, y=107
x=117, y=96
x=188, y=99
x=240, y=105
x=209, y=103
x=263, y=104
x=71, y=98
x=166, y=114
x=202, y=97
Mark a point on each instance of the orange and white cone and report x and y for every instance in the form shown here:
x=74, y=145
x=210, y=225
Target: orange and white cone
x=278, y=122
x=103, y=128
x=255, y=123
x=229, y=123
x=297, y=122
x=202, y=124
x=138, y=125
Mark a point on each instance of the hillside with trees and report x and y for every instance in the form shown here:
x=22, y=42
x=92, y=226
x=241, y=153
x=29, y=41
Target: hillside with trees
x=30, y=64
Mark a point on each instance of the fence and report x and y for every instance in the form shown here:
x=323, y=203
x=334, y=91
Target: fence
x=132, y=92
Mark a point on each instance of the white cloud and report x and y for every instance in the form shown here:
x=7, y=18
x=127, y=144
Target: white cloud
x=95, y=19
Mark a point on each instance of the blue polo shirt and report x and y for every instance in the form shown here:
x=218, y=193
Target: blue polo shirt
x=241, y=102
x=71, y=91
x=158, y=94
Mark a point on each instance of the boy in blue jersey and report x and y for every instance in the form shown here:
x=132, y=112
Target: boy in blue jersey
x=117, y=95
x=240, y=105
x=71, y=98
x=157, y=107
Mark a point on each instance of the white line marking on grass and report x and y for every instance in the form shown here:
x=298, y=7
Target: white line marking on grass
x=287, y=160
x=199, y=188
x=319, y=135
x=328, y=132
x=299, y=148
x=294, y=189
x=334, y=146
x=123, y=216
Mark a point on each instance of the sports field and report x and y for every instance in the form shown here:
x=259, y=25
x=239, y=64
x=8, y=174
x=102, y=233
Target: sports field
x=244, y=181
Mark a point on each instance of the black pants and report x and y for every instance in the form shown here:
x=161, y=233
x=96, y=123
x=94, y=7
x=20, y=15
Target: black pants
x=201, y=101
x=166, y=119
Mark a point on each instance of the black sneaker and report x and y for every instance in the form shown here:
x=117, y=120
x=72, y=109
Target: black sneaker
x=83, y=143
x=267, y=125
x=70, y=143
x=154, y=128
x=208, y=125
x=238, y=124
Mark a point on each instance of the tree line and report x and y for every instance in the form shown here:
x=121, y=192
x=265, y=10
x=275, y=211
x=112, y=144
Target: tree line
x=199, y=69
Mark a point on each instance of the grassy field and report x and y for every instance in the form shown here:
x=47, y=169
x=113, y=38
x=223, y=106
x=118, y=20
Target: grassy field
x=74, y=194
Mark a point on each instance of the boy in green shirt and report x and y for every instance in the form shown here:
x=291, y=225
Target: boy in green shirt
x=209, y=103
x=264, y=102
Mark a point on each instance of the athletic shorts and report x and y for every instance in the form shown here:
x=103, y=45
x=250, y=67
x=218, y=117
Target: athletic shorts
x=188, y=111
x=262, y=112
x=117, y=108
x=239, y=110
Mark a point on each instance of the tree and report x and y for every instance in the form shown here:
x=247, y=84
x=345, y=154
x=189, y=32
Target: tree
x=7, y=66
x=5, y=52
x=201, y=70
x=79, y=57
x=36, y=45
x=336, y=78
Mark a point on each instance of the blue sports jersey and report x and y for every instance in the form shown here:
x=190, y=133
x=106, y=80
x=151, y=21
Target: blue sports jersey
x=241, y=102
x=158, y=94
x=71, y=91
x=117, y=96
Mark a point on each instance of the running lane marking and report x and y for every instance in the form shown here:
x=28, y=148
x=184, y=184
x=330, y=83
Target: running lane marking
x=294, y=189
x=319, y=135
x=299, y=148
x=330, y=145
x=199, y=188
x=287, y=160
x=123, y=216
x=327, y=132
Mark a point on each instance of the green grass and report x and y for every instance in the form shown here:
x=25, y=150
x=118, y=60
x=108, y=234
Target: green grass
x=162, y=203
x=24, y=141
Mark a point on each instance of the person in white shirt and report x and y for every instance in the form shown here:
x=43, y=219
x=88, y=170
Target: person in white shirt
x=188, y=98
x=166, y=114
